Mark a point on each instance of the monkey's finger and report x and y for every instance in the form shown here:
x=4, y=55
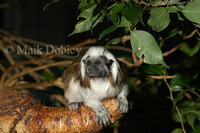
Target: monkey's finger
x=107, y=120
x=123, y=108
x=108, y=114
x=118, y=104
x=99, y=120
x=104, y=121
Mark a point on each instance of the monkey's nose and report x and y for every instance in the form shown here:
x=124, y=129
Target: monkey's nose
x=93, y=71
x=93, y=67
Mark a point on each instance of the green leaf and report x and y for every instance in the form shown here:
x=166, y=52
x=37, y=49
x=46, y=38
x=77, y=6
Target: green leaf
x=144, y=43
x=191, y=110
x=48, y=76
x=88, y=12
x=114, y=12
x=153, y=69
x=108, y=30
x=197, y=1
x=177, y=130
x=172, y=10
x=159, y=18
x=171, y=34
x=84, y=5
x=54, y=1
x=192, y=11
x=191, y=119
x=132, y=12
x=174, y=1
x=175, y=116
x=179, y=97
x=124, y=22
x=114, y=41
x=197, y=128
x=178, y=82
x=188, y=50
x=180, y=17
x=84, y=25
x=98, y=20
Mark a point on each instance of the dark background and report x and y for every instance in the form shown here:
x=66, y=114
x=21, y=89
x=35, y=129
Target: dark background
x=151, y=113
x=25, y=18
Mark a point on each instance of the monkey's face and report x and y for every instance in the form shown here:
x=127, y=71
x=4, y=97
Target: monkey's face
x=97, y=66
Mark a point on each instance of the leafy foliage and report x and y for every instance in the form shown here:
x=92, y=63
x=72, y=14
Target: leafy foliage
x=144, y=43
x=159, y=19
x=192, y=11
x=128, y=14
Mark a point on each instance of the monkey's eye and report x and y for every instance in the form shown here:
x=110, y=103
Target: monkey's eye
x=89, y=63
x=83, y=61
x=109, y=62
x=97, y=63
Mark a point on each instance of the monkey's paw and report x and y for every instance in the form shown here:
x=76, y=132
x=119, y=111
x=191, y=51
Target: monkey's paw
x=73, y=106
x=102, y=115
x=122, y=105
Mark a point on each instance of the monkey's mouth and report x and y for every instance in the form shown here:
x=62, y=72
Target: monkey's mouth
x=94, y=74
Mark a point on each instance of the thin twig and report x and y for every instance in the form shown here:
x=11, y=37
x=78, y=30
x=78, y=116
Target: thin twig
x=159, y=77
x=36, y=69
x=120, y=48
x=190, y=35
x=181, y=119
x=30, y=41
x=5, y=33
x=195, y=93
x=137, y=62
x=171, y=50
x=2, y=68
x=8, y=57
x=35, y=61
x=125, y=61
x=125, y=38
x=58, y=82
x=177, y=109
x=60, y=98
x=116, y=127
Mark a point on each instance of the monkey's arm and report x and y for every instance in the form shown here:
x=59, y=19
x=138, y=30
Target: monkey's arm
x=101, y=112
x=122, y=100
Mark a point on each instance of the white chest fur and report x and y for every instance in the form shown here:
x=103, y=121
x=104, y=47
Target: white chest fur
x=101, y=89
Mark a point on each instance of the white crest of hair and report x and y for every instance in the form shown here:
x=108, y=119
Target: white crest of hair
x=99, y=51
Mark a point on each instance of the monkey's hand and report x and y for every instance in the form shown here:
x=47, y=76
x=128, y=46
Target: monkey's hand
x=122, y=104
x=73, y=106
x=102, y=115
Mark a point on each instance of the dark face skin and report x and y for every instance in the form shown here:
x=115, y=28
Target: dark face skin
x=97, y=66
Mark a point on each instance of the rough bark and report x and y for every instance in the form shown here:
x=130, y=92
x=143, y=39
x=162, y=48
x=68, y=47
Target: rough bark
x=20, y=113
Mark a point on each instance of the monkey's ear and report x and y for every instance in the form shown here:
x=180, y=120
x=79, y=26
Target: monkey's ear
x=109, y=62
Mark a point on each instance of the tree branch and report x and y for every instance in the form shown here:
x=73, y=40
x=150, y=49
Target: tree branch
x=22, y=113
